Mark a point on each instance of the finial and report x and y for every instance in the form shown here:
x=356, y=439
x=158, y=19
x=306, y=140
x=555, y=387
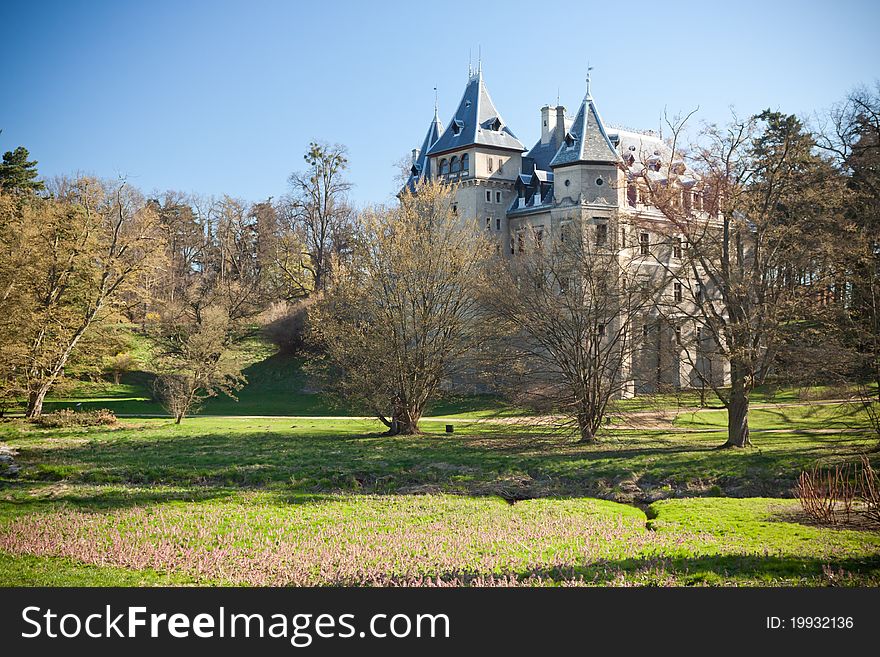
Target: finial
x=557, y=96
x=480, y=60
x=589, y=68
x=470, y=63
x=435, y=103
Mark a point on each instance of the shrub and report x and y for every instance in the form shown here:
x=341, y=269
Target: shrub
x=287, y=326
x=832, y=494
x=67, y=417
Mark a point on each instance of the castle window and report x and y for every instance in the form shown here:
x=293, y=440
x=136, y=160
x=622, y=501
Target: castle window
x=645, y=330
x=488, y=196
x=563, y=231
x=500, y=165
x=676, y=248
x=676, y=292
x=488, y=223
x=601, y=234
x=455, y=208
x=623, y=238
x=498, y=197
x=455, y=165
x=644, y=244
x=465, y=164
x=632, y=194
x=698, y=292
x=498, y=223
x=678, y=335
x=444, y=167
x=490, y=163
x=520, y=242
x=539, y=236
x=599, y=182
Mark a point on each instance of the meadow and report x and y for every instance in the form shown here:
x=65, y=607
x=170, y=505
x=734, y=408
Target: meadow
x=307, y=501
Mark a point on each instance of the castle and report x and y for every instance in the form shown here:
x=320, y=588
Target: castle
x=579, y=170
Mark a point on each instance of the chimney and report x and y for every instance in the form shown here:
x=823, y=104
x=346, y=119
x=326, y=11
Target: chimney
x=560, y=122
x=415, y=155
x=546, y=125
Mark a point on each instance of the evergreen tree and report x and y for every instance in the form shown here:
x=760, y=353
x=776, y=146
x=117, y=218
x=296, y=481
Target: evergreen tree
x=19, y=174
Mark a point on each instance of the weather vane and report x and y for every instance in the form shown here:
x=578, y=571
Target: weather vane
x=589, y=68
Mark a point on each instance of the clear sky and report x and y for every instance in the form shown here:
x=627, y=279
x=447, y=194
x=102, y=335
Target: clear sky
x=223, y=97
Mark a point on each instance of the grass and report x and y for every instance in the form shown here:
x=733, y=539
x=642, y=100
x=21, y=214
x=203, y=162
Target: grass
x=325, y=502
x=317, y=455
x=286, y=500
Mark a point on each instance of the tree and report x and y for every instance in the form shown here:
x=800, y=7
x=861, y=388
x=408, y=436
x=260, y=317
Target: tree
x=568, y=310
x=315, y=220
x=80, y=251
x=752, y=259
x=17, y=174
x=196, y=364
x=403, y=316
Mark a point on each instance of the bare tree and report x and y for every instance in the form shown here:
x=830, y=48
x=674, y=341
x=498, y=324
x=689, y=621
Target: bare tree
x=315, y=219
x=745, y=222
x=403, y=316
x=196, y=363
x=569, y=308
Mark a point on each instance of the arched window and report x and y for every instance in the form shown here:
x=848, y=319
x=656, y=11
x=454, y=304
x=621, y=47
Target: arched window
x=444, y=167
x=465, y=164
x=454, y=165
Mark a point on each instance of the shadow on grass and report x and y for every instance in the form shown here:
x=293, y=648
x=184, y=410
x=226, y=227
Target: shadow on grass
x=514, y=463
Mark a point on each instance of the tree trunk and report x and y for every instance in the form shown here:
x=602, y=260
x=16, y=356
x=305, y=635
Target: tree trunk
x=405, y=422
x=738, y=412
x=586, y=429
x=35, y=402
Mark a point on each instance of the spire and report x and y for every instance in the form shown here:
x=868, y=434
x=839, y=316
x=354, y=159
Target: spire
x=476, y=122
x=421, y=169
x=587, y=140
x=589, y=68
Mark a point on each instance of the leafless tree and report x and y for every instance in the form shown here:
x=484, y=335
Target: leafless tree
x=569, y=308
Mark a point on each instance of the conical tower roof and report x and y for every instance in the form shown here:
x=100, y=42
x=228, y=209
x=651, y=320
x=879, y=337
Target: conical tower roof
x=587, y=140
x=476, y=122
x=421, y=168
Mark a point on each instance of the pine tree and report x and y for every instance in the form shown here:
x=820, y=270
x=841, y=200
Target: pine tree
x=19, y=174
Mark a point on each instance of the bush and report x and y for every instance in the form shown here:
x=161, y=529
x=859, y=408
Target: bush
x=833, y=494
x=287, y=326
x=67, y=417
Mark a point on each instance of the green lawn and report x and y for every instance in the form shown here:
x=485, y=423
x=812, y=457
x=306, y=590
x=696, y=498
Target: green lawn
x=311, y=501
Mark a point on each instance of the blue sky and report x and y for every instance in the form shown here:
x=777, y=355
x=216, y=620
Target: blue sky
x=223, y=97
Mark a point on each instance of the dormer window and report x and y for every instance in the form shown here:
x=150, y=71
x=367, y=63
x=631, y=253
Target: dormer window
x=457, y=127
x=569, y=139
x=495, y=124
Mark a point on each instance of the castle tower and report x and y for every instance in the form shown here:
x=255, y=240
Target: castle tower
x=480, y=153
x=421, y=166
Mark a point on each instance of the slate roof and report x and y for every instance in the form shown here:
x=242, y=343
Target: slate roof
x=421, y=168
x=476, y=122
x=587, y=140
x=542, y=154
